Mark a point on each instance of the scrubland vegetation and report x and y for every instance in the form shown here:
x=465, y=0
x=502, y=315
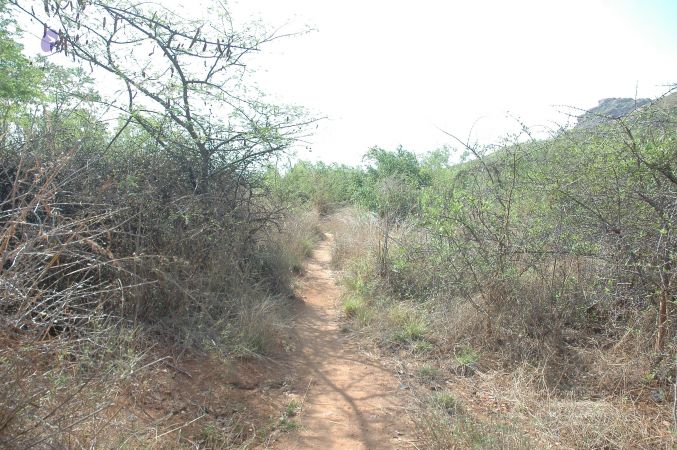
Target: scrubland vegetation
x=535, y=277
x=527, y=290
x=135, y=233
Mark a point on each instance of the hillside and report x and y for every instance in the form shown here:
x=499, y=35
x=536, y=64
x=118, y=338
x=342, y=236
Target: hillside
x=527, y=292
x=609, y=109
x=171, y=277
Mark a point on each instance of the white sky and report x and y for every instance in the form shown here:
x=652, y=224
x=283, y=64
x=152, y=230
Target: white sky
x=392, y=72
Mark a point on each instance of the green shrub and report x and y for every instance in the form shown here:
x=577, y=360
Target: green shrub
x=352, y=306
x=467, y=356
x=411, y=331
x=292, y=408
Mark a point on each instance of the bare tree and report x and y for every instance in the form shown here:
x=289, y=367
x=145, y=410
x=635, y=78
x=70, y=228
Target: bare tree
x=184, y=80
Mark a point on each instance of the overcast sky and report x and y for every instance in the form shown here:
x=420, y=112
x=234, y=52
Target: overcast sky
x=394, y=72
x=388, y=72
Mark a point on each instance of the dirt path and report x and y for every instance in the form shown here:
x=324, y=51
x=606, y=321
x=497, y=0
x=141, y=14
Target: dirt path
x=350, y=401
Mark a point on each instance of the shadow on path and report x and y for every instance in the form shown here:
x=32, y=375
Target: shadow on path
x=351, y=401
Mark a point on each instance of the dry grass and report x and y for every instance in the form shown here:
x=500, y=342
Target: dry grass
x=575, y=421
x=355, y=235
x=497, y=409
x=61, y=393
x=97, y=313
x=442, y=429
x=538, y=381
x=290, y=244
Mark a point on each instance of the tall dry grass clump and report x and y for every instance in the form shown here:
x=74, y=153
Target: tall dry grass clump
x=291, y=242
x=355, y=235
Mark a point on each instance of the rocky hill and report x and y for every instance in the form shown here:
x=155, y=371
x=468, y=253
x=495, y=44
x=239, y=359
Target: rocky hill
x=610, y=108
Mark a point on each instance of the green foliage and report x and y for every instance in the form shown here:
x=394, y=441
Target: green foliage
x=401, y=163
x=530, y=238
x=292, y=408
x=408, y=324
x=353, y=306
x=467, y=356
x=421, y=347
x=19, y=78
x=152, y=224
x=286, y=422
x=392, y=182
x=319, y=185
x=358, y=278
x=388, y=185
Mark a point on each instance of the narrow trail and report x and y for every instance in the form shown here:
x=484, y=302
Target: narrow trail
x=351, y=401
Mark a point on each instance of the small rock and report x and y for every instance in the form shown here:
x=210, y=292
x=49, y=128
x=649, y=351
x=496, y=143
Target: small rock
x=657, y=395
